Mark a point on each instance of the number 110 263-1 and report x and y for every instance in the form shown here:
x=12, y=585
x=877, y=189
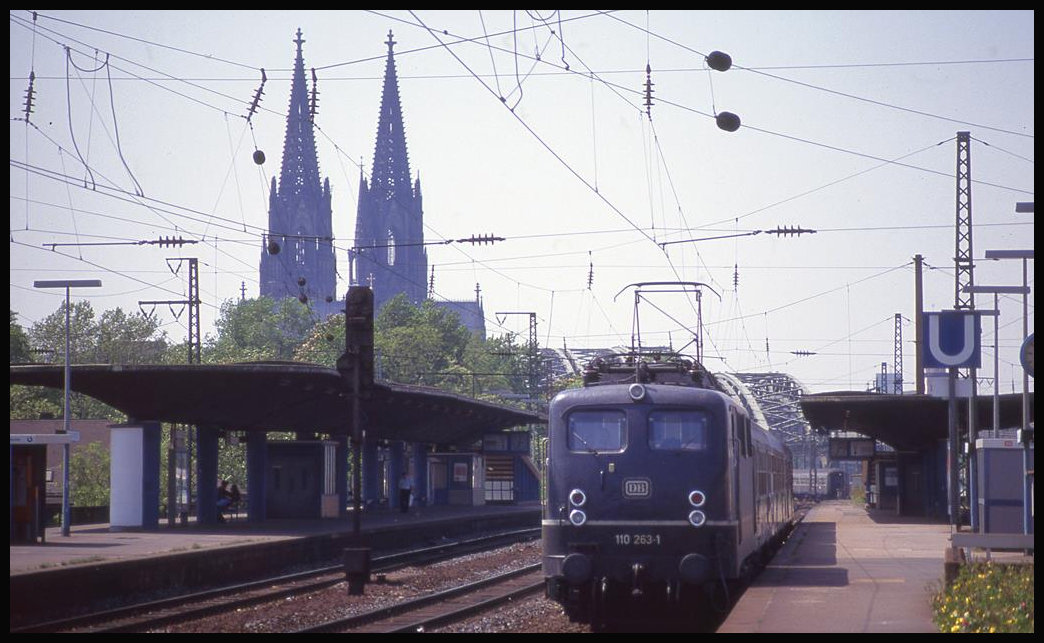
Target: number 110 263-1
x=637, y=540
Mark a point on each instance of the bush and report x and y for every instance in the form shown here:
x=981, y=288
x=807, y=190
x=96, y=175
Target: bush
x=987, y=597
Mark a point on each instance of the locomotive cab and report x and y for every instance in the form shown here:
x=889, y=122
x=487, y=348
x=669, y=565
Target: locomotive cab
x=650, y=494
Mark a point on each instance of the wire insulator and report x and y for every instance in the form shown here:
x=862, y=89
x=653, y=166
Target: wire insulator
x=257, y=95
x=29, y=96
x=648, y=90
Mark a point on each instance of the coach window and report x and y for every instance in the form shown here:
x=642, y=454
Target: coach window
x=678, y=430
x=596, y=431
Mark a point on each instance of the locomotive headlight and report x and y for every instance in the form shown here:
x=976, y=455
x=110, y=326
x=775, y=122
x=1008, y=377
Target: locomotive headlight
x=697, y=498
x=577, y=498
x=696, y=518
x=637, y=392
x=577, y=517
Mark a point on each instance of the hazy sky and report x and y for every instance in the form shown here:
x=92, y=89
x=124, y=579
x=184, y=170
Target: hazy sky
x=532, y=126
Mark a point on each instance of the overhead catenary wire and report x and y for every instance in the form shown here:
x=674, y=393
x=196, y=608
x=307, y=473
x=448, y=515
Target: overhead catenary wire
x=843, y=149
x=483, y=262
x=529, y=129
x=831, y=91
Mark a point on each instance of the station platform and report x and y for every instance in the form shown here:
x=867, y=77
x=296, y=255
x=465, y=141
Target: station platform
x=94, y=561
x=848, y=569
x=97, y=543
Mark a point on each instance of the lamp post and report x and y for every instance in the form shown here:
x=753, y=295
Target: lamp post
x=67, y=284
x=996, y=291
x=1024, y=255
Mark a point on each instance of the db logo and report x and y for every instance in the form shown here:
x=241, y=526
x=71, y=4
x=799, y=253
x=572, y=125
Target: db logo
x=637, y=488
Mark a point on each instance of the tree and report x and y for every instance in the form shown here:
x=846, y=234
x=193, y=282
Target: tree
x=35, y=402
x=89, y=475
x=20, y=353
x=232, y=461
x=47, y=336
x=128, y=339
x=324, y=344
x=426, y=344
x=114, y=338
x=498, y=366
x=418, y=344
x=250, y=330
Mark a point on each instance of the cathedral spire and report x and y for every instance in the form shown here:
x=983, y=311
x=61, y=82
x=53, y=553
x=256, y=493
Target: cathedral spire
x=389, y=228
x=300, y=163
x=391, y=166
x=297, y=257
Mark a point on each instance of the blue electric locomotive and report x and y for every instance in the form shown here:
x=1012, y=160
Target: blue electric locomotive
x=660, y=490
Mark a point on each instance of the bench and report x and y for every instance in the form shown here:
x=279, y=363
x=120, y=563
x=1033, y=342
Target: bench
x=233, y=509
x=997, y=542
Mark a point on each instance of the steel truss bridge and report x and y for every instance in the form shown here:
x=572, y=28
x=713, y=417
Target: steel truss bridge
x=772, y=400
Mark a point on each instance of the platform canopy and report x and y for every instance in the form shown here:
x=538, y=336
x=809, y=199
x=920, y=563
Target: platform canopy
x=904, y=422
x=280, y=396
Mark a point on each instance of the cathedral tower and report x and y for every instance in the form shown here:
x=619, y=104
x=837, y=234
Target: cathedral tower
x=389, y=234
x=297, y=258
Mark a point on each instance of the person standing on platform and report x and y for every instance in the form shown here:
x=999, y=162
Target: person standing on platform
x=235, y=496
x=224, y=500
x=405, y=491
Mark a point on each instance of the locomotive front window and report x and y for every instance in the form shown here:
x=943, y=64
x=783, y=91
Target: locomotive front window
x=678, y=430
x=596, y=431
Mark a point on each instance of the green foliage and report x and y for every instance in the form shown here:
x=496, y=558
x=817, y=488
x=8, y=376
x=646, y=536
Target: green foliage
x=423, y=345
x=89, y=475
x=499, y=364
x=35, y=402
x=566, y=382
x=427, y=345
x=324, y=344
x=261, y=329
x=114, y=338
x=128, y=339
x=232, y=462
x=47, y=336
x=987, y=597
x=858, y=495
x=419, y=344
x=20, y=353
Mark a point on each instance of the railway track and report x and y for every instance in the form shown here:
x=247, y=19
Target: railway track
x=391, y=605
x=419, y=614
x=175, y=610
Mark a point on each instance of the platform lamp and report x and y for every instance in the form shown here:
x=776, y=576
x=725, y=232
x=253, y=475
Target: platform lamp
x=1024, y=255
x=68, y=284
x=996, y=291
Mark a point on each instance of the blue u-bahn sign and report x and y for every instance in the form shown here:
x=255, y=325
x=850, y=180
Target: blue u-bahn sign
x=951, y=339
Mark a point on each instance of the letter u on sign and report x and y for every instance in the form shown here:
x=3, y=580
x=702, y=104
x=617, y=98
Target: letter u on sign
x=951, y=339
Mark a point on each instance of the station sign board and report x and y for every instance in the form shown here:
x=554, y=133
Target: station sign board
x=45, y=438
x=506, y=441
x=951, y=339
x=851, y=448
